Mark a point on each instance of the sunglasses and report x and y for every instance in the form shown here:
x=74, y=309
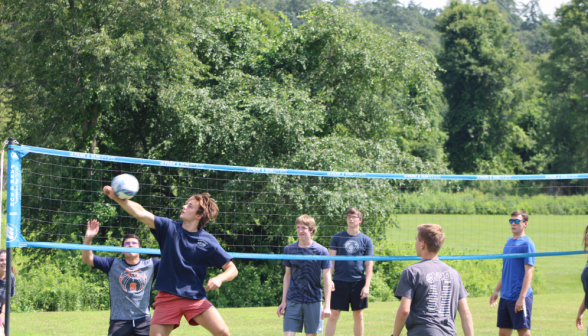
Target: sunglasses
x=515, y=221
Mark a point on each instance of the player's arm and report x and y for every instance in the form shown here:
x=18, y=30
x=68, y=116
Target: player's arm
x=91, y=232
x=467, y=323
x=333, y=253
x=282, y=306
x=579, y=324
x=402, y=315
x=369, y=271
x=496, y=293
x=524, y=288
x=133, y=208
x=229, y=273
x=327, y=283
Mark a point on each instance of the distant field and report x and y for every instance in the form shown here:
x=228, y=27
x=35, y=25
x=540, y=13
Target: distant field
x=487, y=234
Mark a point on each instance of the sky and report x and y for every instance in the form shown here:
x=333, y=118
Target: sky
x=547, y=6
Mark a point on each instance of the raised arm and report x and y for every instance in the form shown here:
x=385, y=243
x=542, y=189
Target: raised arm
x=467, y=323
x=91, y=232
x=133, y=208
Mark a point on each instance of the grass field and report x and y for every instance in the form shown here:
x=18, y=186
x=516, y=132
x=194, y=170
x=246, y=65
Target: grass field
x=464, y=232
x=554, y=311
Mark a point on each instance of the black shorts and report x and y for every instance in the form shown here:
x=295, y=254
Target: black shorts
x=138, y=327
x=348, y=293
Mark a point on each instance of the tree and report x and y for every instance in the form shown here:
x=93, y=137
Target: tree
x=566, y=83
x=66, y=67
x=481, y=62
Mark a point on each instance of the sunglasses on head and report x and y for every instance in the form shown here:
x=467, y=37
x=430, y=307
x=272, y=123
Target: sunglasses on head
x=515, y=221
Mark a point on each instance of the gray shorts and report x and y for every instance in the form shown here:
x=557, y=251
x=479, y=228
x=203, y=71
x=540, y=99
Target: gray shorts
x=307, y=314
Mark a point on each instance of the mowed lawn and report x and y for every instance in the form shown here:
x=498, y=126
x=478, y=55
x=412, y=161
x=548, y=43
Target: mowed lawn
x=554, y=310
x=487, y=234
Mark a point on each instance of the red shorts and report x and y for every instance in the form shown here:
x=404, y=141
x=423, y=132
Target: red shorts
x=169, y=309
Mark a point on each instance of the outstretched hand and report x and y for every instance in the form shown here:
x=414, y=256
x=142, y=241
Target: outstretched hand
x=107, y=190
x=92, y=229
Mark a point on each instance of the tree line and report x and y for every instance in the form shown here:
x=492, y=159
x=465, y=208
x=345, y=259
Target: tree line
x=483, y=88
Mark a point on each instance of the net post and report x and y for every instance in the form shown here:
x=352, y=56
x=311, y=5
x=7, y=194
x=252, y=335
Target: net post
x=13, y=217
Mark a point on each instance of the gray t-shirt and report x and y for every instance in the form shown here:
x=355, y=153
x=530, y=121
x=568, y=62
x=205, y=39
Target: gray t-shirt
x=130, y=286
x=348, y=245
x=435, y=290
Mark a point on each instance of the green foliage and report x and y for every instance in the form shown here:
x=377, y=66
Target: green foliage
x=566, y=84
x=61, y=285
x=476, y=202
x=482, y=63
x=259, y=284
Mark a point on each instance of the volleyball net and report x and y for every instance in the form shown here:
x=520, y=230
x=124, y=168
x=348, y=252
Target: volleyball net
x=53, y=193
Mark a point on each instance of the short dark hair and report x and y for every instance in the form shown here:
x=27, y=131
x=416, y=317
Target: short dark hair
x=520, y=213
x=355, y=211
x=131, y=235
x=432, y=235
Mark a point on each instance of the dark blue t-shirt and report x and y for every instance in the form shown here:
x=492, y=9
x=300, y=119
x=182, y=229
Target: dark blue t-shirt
x=185, y=256
x=348, y=245
x=584, y=278
x=513, y=269
x=305, y=281
x=3, y=289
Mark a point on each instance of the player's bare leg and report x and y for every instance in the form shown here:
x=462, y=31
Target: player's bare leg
x=332, y=322
x=212, y=321
x=161, y=329
x=358, y=322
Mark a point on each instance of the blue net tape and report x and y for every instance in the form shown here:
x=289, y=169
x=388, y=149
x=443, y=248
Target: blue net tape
x=176, y=164
x=297, y=257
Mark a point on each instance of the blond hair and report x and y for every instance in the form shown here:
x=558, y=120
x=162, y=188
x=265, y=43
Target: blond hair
x=307, y=221
x=432, y=235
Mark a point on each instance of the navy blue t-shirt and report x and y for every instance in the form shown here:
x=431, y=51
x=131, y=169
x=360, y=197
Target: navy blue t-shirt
x=348, y=245
x=305, y=281
x=185, y=256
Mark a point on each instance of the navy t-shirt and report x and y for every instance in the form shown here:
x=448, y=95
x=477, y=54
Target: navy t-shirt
x=305, y=281
x=3, y=289
x=348, y=245
x=185, y=256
